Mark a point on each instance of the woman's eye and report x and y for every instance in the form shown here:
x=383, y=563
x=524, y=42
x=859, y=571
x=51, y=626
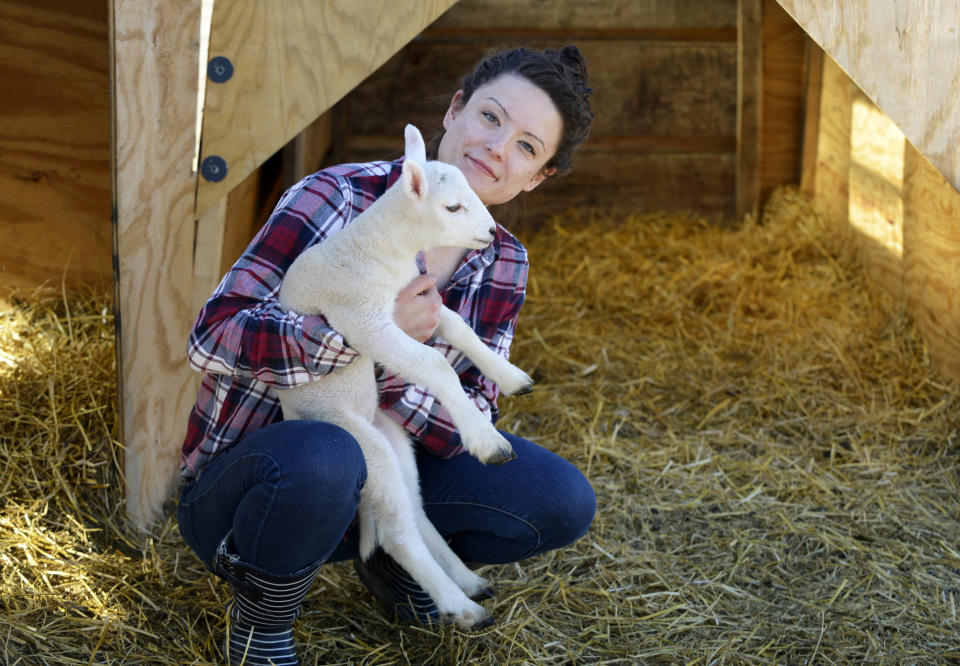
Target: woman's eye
x=491, y=117
x=528, y=147
x=453, y=208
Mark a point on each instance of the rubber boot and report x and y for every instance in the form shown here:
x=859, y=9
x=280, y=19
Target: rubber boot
x=396, y=590
x=261, y=614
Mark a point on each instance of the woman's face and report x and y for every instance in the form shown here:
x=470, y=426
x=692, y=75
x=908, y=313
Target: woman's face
x=502, y=138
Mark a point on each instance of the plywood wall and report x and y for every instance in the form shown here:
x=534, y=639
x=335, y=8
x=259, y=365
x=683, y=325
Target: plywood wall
x=666, y=80
x=170, y=227
x=54, y=144
x=665, y=75
x=905, y=56
x=291, y=62
x=879, y=194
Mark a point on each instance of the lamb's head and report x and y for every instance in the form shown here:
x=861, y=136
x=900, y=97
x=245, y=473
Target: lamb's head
x=450, y=212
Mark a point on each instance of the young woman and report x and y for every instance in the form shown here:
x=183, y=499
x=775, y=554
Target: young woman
x=267, y=501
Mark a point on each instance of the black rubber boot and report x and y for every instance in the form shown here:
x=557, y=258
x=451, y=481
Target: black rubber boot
x=396, y=590
x=261, y=615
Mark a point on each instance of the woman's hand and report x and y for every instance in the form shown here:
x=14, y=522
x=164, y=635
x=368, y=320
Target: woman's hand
x=417, y=308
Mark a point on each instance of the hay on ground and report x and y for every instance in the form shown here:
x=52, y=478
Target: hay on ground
x=774, y=460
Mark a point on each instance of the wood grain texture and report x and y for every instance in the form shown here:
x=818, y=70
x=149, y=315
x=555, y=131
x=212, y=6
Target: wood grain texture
x=54, y=144
x=932, y=259
x=876, y=196
x=813, y=84
x=657, y=105
x=906, y=58
x=289, y=67
x=575, y=15
x=208, y=253
x=155, y=83
x=749, y=106
x=641, y=88
x=781, y=127
x=881, y=196
x=831, y=182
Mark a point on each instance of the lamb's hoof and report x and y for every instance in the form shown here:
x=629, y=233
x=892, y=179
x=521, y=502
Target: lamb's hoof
x=525, y=390
x=483, y=623
x=501, y=457
x=471, y=620
x=485, y=593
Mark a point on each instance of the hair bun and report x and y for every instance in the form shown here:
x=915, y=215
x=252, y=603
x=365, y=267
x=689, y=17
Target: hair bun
x=571, y=56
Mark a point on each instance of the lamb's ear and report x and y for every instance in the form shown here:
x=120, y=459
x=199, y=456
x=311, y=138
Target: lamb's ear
x=415, y=149
x=414, y=180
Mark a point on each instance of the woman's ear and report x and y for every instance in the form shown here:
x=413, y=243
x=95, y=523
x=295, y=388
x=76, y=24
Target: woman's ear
x=456, y=105
x=541, y=176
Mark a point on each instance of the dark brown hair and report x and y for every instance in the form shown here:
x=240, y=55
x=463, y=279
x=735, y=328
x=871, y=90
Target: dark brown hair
x=561, y=73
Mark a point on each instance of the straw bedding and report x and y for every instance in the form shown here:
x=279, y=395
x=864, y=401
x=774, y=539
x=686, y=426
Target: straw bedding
x=774, y=461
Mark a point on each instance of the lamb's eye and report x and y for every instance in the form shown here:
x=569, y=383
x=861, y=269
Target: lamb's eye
x=453, y=208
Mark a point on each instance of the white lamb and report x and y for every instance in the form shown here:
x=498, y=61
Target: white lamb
x=353, y=279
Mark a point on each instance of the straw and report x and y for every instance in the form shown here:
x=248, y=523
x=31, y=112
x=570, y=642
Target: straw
x=773, y=455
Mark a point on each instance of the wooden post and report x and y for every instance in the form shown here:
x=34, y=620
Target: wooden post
x=154, y=83
x=749, y=96
x=811, y=115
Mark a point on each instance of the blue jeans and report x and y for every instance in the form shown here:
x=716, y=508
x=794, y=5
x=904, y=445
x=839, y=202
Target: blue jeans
x=290, y=491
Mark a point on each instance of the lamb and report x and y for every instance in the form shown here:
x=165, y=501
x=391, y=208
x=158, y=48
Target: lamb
x=353, y=279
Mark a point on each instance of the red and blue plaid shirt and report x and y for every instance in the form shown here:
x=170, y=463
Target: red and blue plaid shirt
x=248, y=346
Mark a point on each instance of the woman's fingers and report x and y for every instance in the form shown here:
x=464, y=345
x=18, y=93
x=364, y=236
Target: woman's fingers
x=417, y=308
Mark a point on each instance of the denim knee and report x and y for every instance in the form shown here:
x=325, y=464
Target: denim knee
x=570, y=513
x=318, y=462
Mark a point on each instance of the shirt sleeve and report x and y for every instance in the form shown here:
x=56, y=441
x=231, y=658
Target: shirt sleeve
x=418, y=410
x=242, y=330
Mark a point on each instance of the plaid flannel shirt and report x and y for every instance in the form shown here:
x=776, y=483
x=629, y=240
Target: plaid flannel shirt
x=249, y=347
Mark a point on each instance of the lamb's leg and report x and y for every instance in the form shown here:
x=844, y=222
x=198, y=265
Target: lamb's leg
x=386, y=497
x=511, y=379
x=427, y=367
x=473, y=585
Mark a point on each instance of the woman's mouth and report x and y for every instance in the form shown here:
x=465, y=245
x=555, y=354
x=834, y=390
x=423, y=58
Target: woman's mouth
x=480, y=166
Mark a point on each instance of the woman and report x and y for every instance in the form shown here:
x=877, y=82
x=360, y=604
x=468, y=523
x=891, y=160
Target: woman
x=268, y=501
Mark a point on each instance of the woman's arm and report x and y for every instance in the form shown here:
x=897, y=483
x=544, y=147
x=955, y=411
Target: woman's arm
x=242, y=330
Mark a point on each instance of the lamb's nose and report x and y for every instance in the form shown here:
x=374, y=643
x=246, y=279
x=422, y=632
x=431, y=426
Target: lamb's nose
x=493, y=231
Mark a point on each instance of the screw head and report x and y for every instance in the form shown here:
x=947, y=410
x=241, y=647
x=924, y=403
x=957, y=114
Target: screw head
x=213, y=168
x=220, y=69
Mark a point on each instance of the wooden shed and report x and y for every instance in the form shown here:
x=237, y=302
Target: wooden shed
x=141, y=144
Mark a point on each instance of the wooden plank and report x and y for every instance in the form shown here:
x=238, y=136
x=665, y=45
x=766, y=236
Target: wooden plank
x=932, y=259
x=875, y=212
x=882, y=197
x=781, y=132
x=290, y=66
x=154, y=97
x=906, y=58
x=832, y=177
x=207, y=252
x=487, y=36
x=305, y=153
x=579, y=15
x=642, y=89
x=813, y=83
x=386, y=146
x=54, y=144
x=640, y=182
x=749, y=106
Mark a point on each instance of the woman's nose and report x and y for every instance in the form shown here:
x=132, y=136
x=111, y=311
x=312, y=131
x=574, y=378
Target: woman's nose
x=495, y=146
